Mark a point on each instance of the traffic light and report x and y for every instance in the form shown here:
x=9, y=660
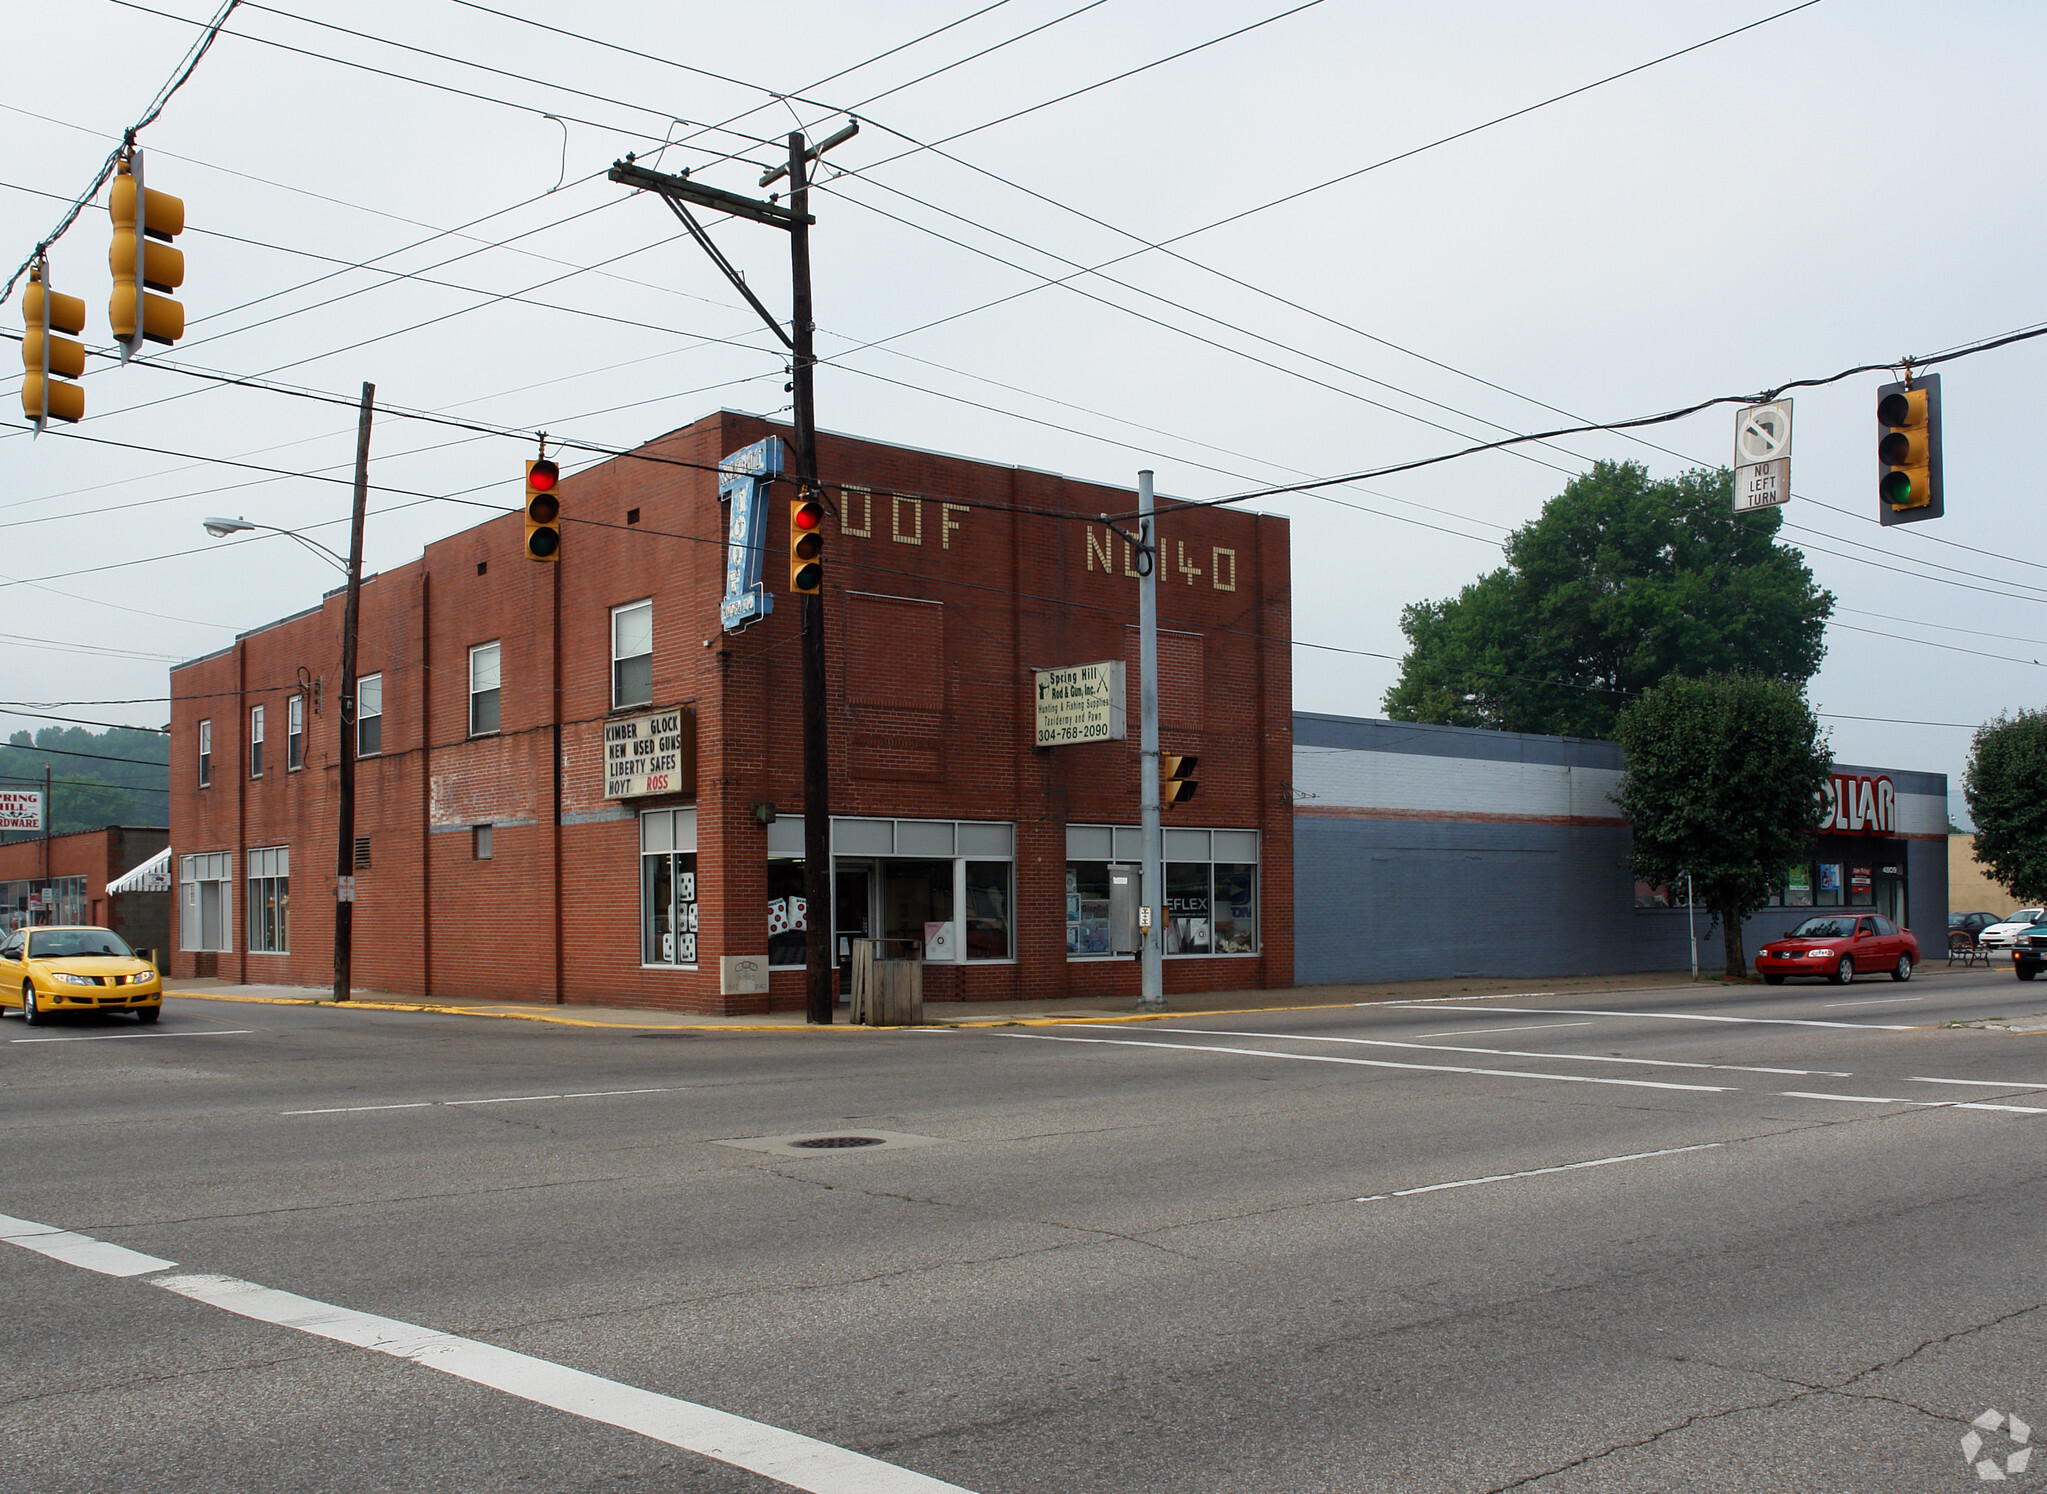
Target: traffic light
x=146, y=268
x=1908, y=451
x=806, y=545
x=1176, y=779
x=47, y=359
x=543, y=511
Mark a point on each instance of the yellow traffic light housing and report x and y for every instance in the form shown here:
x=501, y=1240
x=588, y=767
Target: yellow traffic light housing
x=48, y=360
x=1908, y=451
x=806, y=545
x=1176, y=778
x=543, y=511
x=146, y=268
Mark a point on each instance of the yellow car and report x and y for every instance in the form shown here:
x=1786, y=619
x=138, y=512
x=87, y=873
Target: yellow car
x=75, y=967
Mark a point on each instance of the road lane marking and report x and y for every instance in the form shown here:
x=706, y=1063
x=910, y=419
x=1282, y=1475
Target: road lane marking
x=1660, y=1063
x=79, y=1250
x=1566, y=1011
x=108, y=1037
x=1980, y=1083
x=1375, y=1063
x=1536, y=1172
x=773, y=1452
x=1875, y=1001
x=1799, y=1094
x=1482, y=1031
x=588, y=1094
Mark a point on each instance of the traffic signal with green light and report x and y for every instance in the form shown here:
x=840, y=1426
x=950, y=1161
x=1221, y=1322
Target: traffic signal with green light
x=1908, y=451
x=543, y=511
x=48, y=360
x=146, y=268
x=806, y=545
x=1176, y=778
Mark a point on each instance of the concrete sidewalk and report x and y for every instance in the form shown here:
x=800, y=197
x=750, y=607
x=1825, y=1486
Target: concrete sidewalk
x=942, y=1013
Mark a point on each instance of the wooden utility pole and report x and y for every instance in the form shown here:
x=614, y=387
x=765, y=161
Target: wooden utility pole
x=344, y=861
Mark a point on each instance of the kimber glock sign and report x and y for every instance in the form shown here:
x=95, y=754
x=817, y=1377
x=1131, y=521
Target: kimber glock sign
x=652, y=754
x=1080, y=703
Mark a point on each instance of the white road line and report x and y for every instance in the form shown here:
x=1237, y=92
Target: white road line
x=588, y=1094
x=1565, y=1011
x=1536, y=1172
x=1980, y=1083
x=1657, y=1063
x=773, y=1452
x=108, y=1037
x=1372, y=1063
x=1502, y=996
x=1482, y=1031
x=79, y=1250
x=1797, y=1094
x=1875, y=1001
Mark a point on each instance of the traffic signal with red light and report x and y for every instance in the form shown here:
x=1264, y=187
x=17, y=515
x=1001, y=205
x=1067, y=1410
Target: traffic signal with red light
x=1176, y=778
x=543, y=511
x=1908, y=451
x=806, y=545
x=146, y=268
x=48, y=360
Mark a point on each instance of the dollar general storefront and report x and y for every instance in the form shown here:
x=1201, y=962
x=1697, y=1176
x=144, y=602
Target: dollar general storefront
x=581, y=781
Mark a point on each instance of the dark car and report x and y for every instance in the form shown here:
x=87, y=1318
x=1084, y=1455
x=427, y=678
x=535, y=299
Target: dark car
x=1971, y=924
x=2029, y=952
x=1840, y=946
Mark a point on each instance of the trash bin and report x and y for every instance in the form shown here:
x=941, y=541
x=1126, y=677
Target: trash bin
x=887, y=992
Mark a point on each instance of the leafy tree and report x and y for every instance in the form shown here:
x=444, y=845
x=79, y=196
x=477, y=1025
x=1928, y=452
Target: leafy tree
x=1723, y=779
x=1623, y=581
x=2006, y=788
x=121, y=778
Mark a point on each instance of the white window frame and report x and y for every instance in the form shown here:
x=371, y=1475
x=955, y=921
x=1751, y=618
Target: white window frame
x=295, y=734
x=617, y=614
x=1124, y=845
x=478, y=653
x=196, y=872
x=206, y=754
x=269, y=865
x=255, y=741
x=375, y=682
x=680, y=826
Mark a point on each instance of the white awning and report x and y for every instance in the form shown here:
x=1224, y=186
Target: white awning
x=154, y=875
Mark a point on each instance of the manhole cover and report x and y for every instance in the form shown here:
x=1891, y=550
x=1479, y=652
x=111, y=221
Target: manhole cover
x=829, y=1143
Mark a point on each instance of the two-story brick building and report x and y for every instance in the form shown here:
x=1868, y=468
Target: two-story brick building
x=498, y=856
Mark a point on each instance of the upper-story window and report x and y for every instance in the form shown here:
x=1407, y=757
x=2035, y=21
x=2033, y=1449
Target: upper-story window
x=255, y=741
x=632, y=654
x=369, y=715
x=205, y=753
x=483, y=689
x=295, y=734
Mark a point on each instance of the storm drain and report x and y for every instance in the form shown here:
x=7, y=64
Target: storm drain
x=814, y=1144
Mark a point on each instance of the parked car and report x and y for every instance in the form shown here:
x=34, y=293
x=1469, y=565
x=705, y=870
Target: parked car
x=2029, y=951
x=2000, y=935
x=73, y=967
x=1972, y=924
x=1840, y=946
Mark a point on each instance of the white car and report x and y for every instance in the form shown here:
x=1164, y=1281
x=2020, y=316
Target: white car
x=2001, y=935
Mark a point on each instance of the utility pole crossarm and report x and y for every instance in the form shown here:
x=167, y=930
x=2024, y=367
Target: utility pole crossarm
x=773, y=214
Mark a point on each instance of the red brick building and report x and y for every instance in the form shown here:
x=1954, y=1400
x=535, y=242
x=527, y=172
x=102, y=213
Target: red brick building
x=497, y=859
x=64, y=880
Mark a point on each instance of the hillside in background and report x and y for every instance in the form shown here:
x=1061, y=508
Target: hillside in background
x=120, y=776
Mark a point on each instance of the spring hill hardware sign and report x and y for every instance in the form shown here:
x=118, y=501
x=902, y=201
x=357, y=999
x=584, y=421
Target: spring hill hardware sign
x=651, y=754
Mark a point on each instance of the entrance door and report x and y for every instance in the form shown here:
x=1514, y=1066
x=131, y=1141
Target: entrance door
x=852, y=916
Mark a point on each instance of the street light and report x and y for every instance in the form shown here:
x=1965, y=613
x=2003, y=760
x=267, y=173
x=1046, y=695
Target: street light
x=344, y=859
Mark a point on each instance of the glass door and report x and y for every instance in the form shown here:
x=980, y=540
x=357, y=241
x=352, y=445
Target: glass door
x=852, y=915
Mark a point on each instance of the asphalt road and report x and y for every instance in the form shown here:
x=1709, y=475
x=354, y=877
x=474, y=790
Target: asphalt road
x=1680, y=1238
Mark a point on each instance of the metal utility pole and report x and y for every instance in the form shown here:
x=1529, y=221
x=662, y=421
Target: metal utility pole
x=49, y=827
x=1151, y=914
x=795, y=219
x=344, y=862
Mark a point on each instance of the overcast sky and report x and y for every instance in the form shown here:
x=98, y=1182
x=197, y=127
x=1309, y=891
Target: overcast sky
x=1837, y=186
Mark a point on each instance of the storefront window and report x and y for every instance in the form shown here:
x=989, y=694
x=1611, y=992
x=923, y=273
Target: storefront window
x=988, y=915
x=916, y=908
x=668, y=887
x=1829, y=885
x=1087, y=908
x=1236, y=907
x=1211, y=891
x=1188, y=890
x=788, y=914
x=1862, y=886
x=270, y=900
x=1798, y=886
x=206, y=909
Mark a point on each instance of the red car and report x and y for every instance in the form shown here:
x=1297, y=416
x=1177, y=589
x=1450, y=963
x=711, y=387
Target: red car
x=1840, y=946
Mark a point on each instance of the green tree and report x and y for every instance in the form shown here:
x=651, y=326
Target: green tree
x=2006, y=788
x=1623, y=581
x=1723, y=778
x=117, y=777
